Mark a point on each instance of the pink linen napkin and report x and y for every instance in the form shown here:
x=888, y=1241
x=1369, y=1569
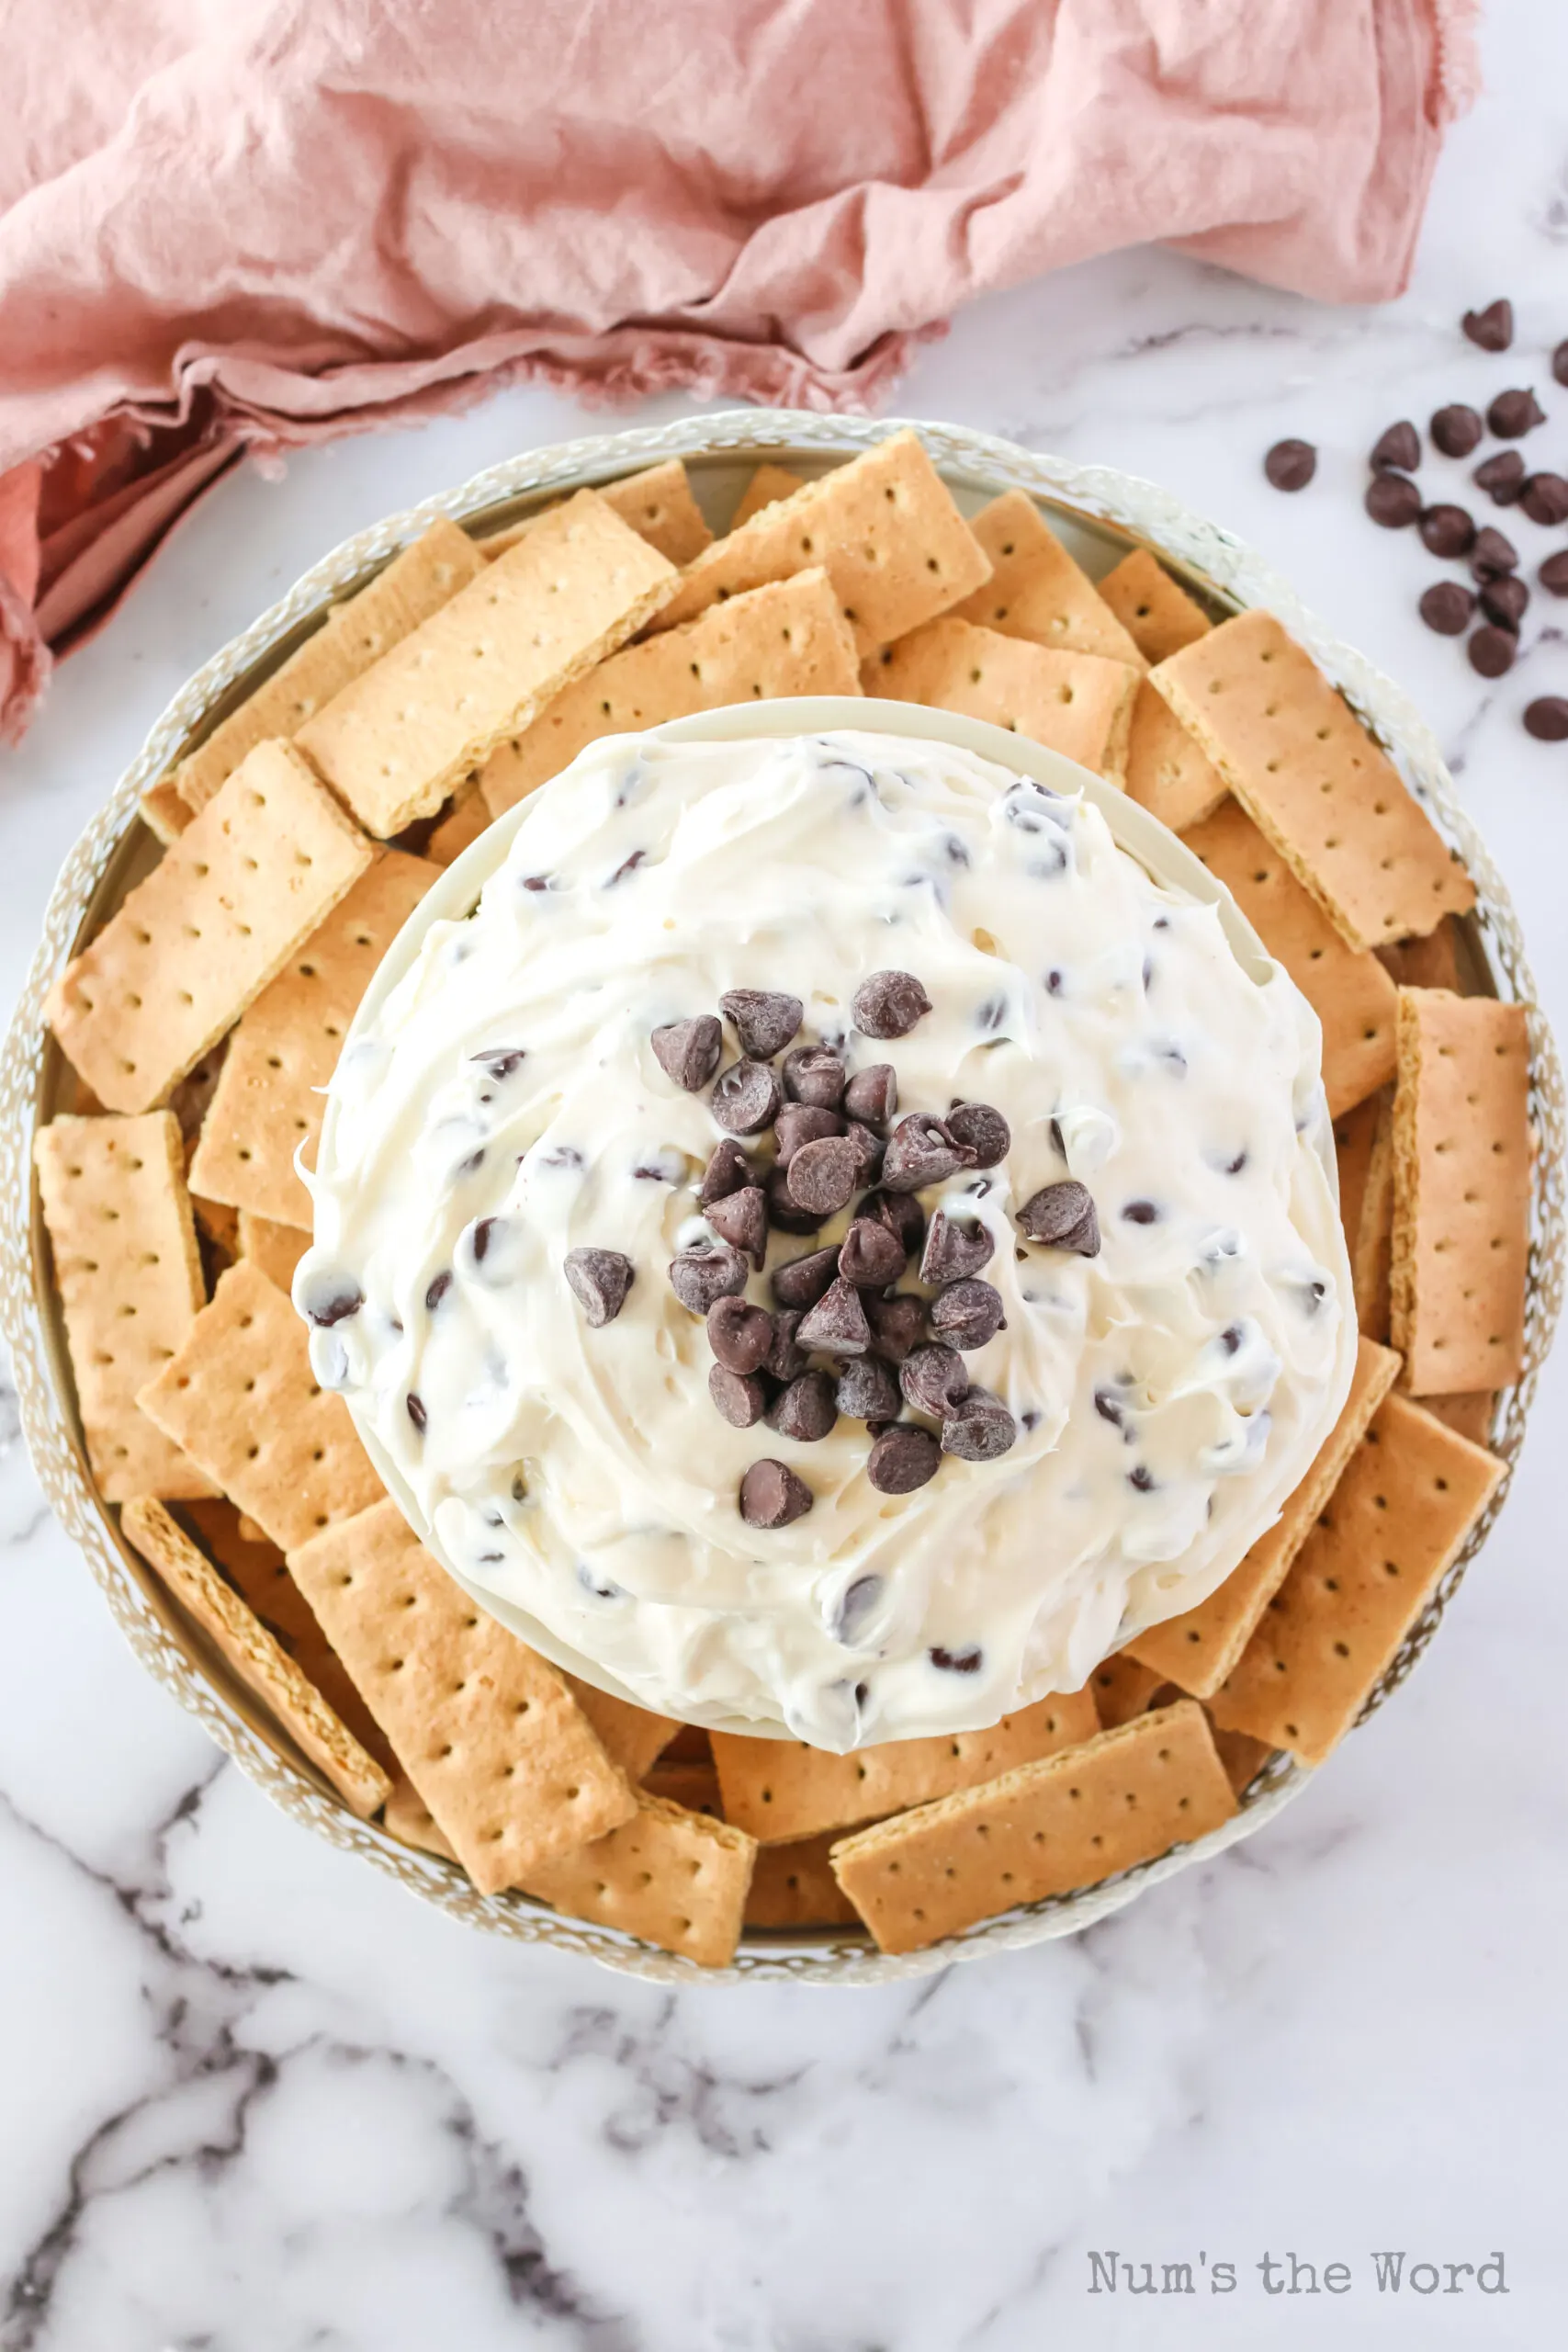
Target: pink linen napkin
x=276, y=221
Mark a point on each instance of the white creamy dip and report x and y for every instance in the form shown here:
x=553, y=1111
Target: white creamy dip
x=1169, y=1392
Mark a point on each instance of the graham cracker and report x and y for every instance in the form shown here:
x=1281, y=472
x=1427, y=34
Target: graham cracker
x=1123, y=1689
x=128, y=1275
x=408, y=1816
x=1158, y=616
x=1036, y=590
x=1355, y=1133
x=240, y=1398
x=1462, y=1191
x=885, y=528
x=1197, y=1650
x=273, y=1250
x=677, y=1879
x=657, y=505
x=394, y=742
x=162, y=811
x=1470, y=1411
x=487, y=1731
x=782, y=1791
x=1242, y=1755
x=465, y=819
x=789, y=638
x=766, y=487
x=1372, y=1249
x=1393, y=1525
x=1079, y=704
x=1435, y=962
x=1065, y=1822
x=269, y=1099
x=1167, y=771
x=179, y=961
x=256, y=1657
x=794, y=1886
x=1348, y=989
x=633, y=1737
x=355, y=634
x=1309, y=774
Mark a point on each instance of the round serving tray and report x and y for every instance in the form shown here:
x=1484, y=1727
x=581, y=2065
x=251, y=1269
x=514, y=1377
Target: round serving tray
x=1100, y=514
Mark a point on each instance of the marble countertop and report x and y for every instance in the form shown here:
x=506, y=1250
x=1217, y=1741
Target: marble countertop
x=256, y=2099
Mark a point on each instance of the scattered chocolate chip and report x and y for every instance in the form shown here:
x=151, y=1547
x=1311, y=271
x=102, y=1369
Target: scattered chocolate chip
x=1290, y=465
x=741, y=1335
x=979, y=1427
x=1553, y=574
x=439, y=1286
x=1545, y=500
x=1393, y=500
x=762, y=1020
x=500, y=1061
x=982, y=1130
x=1062, y=1215
x=1504, y=600
x=967, y=1314
x=800, y=1281
x=803, y=1123
x=771, y=1496
x=805, y=1410
x=600, y=1280
x=1447, y=607
x=739, y=1396
x=688, y=1051
x=888, y=1004
x=903, y=1458
x=855, y=1605
x=1399, y=447
x=870, y=1151
x=815, y=1075
x=1141, y=1213
x=873, y=1094
x=745, y=1098
x=900, y=1213
x=933, y=1377
x=836, y=1323
x=786, y=1357
x=868, y=1390
x=922, y=1151
x=956, y=1246
x=1559, y=363
x=331, y=1298
x=897, y=1323
x=699, y=1277
x=1492, y=328
x=727, y=1171
x=1492, y=553
x=1492, y=651
x=741, y=1219
x=1547, y=718
x=416, y=1411
x=869, y=1256
x=782, y=1212
x=963, y=1661
x=1447, y=531
x=1502, y=477
x=1109, y=1406
x=1142, y=1478
x=1456, y=431
x=1512, y=414
x=823, y=1174
x=627, y=865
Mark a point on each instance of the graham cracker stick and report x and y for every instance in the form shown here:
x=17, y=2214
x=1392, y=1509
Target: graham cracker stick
x=355, y=634
x=782, y=1791
x=1158, y=616
x=408, y=1816
x=270, y=1101
x=886, y=529
x=1068, y=1820
x=194, y=945
x=1354, y=1134
x=633, y=1737
x=766, y=487
x=1309, y=777
x=1472, y=1412
x=487, y=1732
x=1077, y=703
x=1395, y=1524
x=1037, y=591
x=256, y=1657
x=394, y=742
x=162, y=811
x=128, y=1274
x=657, y=505
x=1350, y=991
x=459, y=829
x=1123, y=1689
x=794, y=1886
x=1167, y=771
x=273, y=1250
x=1197, y=1650
x=1462, y=1191
x=677, y=1879
x=240, y=1396
x=789, y=638
x=1371, y=1248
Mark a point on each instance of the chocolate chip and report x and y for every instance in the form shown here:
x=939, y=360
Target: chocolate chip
x=869, y=1256
x=963, y=1661
x=727, y=1172
x=870, y=1151
x=933, y=1378
x=600, y=1280
x=1512, y=414
x=782, y=1212
x=1553, y=574
x=699, y=1277
x=900, y=1213
x=803, y=1123
x=956, y=1246
x=982, y=1130
x=439, y=1286
x=741, y=1335
x=1447, y=607
x=1062, y=1215
x=1492, y=553
x=1393, y=500
x=967, y=1314
x=688, y=1051
x=1504, y=600
x=1447, y=531
x=855, y=1606
x=762, y=1020
x=331, y=1298
x=771, y=1496
x=888, y=1004
x=500, y=1061
x=741, y=1219
x=800, y=1281
x=836, y=1323
x=1547, y=718
x=815, y=1075
x=922, y=1151
x=805, y=1410
x=903, y=1458
x=1141, y=1213
x=979, y=1427
x=1502, y=477
x=1492, y=328
x=1545, y=500
x=897, y=1323
x=1492, y=651
x=1290, y=465
x=1456, y=431
x=1399, y=447
x=823, y=1174
x=786, y=1357
x=745, y=1098
x=868, y=1390
x=872, y=1094
x=739, y=1396
x=416, y=1411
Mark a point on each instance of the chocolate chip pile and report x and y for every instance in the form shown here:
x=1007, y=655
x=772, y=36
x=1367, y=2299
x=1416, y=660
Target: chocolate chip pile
x=841, y=1338
x=1498, y=600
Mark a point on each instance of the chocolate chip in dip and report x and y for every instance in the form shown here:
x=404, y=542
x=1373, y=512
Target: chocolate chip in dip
x=869, y=1256
x=967, y=1314
x=920, y=1152
x=955, y=1246
x=741, y=1219
x=904, y=1458
x=823, y=1174
x=888, y=1004
x=1063, y=1217
x=772, y=1495
x=763, y=1022
x=815, y=1075
x=740, y=1335
x=688, y=1051
x=746, y=1098
x=701, y=1277
x=600, y=1280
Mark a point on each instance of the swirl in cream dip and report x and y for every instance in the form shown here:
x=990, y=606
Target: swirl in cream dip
x=503, y=1106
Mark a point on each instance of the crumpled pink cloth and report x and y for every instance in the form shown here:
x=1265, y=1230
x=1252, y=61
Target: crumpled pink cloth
x=268, y=221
